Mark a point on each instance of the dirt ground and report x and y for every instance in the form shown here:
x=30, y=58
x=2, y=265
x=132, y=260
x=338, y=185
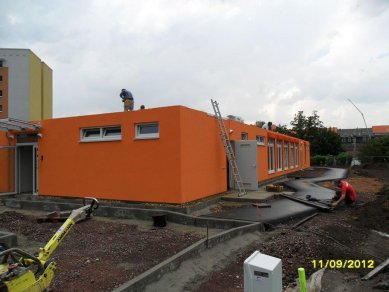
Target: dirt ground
x=101, y=254
x=344, y=234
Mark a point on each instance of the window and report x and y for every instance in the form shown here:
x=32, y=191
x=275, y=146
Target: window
x=1, y=78
x=96, y=134
x=291, y=155
x=147, y=131
x=1, y=108
x=270, y=155
x=112, y=132
x=296, y=148
x=286, y=155
x=243, y=136
x=1, y=93
x=260, y=140
x=279, y=155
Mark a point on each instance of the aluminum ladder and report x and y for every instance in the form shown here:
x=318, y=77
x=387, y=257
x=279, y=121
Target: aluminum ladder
x=228, y=149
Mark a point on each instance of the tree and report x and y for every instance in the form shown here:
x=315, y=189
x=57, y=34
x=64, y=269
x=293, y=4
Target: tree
x=323, y=141
x=376, y=150
x=283, y=130
x=299, y=125
x=326, y=142
x=260, y=124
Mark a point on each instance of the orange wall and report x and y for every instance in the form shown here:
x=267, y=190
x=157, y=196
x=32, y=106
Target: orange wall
x=135, y=170
x=187, y=162
x=203, y=164
x=252, y=131
x=6, y=165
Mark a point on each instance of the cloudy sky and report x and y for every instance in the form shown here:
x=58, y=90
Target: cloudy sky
x=261, y=60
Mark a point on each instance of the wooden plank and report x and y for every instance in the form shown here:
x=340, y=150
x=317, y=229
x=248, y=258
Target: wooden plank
x=304, y=220
x=376, y=270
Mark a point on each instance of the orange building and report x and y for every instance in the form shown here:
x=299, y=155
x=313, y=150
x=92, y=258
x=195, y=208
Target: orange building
x=169, y=154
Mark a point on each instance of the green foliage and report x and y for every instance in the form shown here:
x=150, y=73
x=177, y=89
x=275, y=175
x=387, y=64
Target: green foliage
x=376, y=150
x=318, y=160
x=260, y=124
x=326, y=142
x=283, y=130
x=344, y=159
x=322, y=140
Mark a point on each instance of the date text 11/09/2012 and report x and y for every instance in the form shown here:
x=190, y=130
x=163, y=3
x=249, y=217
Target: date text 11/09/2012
x=343, y=264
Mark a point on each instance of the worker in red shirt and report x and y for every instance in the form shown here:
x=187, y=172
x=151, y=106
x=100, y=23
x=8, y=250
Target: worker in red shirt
x=345, y=193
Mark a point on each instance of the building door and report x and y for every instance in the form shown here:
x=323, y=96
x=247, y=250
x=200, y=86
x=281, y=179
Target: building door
x=27, y=168
x=246, y=156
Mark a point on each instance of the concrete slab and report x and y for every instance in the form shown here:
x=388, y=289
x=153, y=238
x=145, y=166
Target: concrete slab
x=284, y=209
x=281, y=210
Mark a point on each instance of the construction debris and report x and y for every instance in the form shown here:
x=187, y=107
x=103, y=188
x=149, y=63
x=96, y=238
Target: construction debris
x=261, y=205
x=318, y=205
x=55, y=216
x=304, y=220
x=274, y=188
x=378, y=269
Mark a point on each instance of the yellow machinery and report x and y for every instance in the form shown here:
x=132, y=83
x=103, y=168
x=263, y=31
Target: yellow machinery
x=21, y=271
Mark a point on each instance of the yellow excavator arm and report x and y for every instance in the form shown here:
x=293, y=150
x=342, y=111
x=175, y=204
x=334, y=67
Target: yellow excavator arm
x=22, y=272
x=76, y=216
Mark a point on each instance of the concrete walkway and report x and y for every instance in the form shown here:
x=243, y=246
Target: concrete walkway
x=283, y=209
x=308, y=186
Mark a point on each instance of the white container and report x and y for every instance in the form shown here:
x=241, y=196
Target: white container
x=262, y=273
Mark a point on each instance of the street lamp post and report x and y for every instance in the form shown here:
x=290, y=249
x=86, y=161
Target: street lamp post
x=368, y=133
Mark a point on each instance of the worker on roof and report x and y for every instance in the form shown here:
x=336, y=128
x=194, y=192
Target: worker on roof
x=344, y=193
x=127, y=99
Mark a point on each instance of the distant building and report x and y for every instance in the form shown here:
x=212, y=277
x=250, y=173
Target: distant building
x=353, y=139
x=26, y=86
x=380, y=130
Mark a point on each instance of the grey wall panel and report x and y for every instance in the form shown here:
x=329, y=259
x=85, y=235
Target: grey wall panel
x=17, y=61
x=246, y=155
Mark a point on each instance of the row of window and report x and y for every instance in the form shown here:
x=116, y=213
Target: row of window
x=260, y=139
x=113, y=133
x=289, y=154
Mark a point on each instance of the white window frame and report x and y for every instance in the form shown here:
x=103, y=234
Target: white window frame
x=270, y=155
x=296, y=148
x=143, y=136
x=244, y=136
x=286, y=155
x=292, y=154
x=102, y=136
x=260, y=140
x=279, y=155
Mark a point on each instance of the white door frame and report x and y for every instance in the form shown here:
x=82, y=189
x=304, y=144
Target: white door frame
x=34, y=166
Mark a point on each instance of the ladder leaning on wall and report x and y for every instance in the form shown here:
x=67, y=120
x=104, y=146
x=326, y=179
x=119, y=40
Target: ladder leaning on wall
x=228, y=149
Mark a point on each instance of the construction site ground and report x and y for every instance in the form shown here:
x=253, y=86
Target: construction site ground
x=102, y=253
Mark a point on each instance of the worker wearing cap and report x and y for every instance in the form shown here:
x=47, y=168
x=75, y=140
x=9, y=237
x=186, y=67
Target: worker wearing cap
x=127, y=99
x=346, y=193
